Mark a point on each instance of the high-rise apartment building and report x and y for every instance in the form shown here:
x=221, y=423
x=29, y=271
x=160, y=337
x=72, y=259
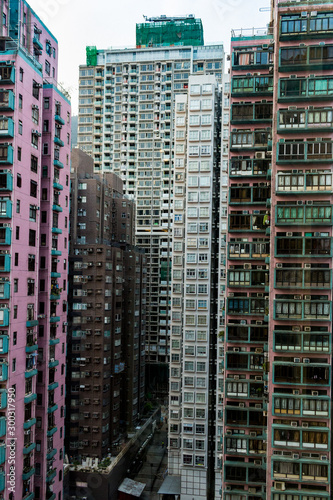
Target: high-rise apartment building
x=107, y=301
x=277, y=417
x=198, y=272
x=126, y=113
x=34, y=159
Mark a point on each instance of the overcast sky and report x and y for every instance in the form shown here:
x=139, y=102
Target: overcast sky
x=111, y=23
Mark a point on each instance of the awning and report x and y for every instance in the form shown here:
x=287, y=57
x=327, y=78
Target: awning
x=170, y=486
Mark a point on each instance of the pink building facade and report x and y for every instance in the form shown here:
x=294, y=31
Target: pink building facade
x=34, y=169
x=277, y=417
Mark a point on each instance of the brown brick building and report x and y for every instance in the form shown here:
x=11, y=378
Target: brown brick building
x=106, y=339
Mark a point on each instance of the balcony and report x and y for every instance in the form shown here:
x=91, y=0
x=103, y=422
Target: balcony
x=3, y=371
x=298, y=278
x=51, y=431
x=6, y=127
x=243, y=305
x=310, y=339
x=304, y=89
x=256, y=334
x=58, y=186
x=319, y=25
x=318, y=182
x=52, y=409
x=56, y=230
x=57, y=163
x=245, y=445
x=318, y=119
x=3, y=399
x=292, y=244
x=7, y=72
x=251, y=113
x=31, y=348
x=6, y=207
x=55, y=252
x=28, y=448
x=54, y=341
x=284, y=468
x=247, y=86
x=301, y=405
x=51, y=454
x=6, y=154
x=248, y=278
x=31, y=373
x=301, y=373
x=29, y=398
x=318, y=215
x=247, y=195
x=59, y=120
x=51, y=474
x=7, y=100
x=2, y=480
x=246, y=473
x=5, y=235
x=29, y=423
x=244, y=221
x=53, y=386
x=53, y=363
x=28, y=472
x=37, y=44
x=56, y=208
x=311, y=57
x=302, y=308
x=6, y=181
x=249, y=361
x=248, y=250
x=55, y=274
x=54, y=319
x=58, y=141
x=3, y=425
x=4, y=344
x=29, y=496
x=249, y=140
x=319, y=151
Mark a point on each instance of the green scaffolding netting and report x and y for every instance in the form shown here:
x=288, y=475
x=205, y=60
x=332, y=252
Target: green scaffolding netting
x=177, y=32
x=91, y=56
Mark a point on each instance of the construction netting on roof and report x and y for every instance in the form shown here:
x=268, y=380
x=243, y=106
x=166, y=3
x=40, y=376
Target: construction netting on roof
x=91, y=56
x=171, y=32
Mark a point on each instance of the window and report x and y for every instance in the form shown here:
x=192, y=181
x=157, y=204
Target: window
x=33, y=189
x=34, y=164
x=21, y=74
x=32, y=237
x=18, y=206
x=35, y=89
x=17, y=233
x=46, y=103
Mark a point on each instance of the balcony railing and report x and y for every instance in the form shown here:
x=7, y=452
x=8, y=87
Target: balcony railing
x=246, y=305
x=303, y=215
x=304, y=182
x=305, y=151
x=306, y=58
x=247, y=333
x=300, y=89
x=291, y=245
x=240, y=194
x=302, y=308
x=319, y=278
x=288, y=340
x=301, y=406
x=296, y=120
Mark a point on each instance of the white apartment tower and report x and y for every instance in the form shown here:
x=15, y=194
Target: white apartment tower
x=198, y=284
x=126, y=117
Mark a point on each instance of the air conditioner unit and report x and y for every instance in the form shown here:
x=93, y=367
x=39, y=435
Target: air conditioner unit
x=314, y=393
x=297, y=297
x=279, y=265
x=299, y=202
x=260, y=155
x=258, y=378
x=307, y=297
x=231, y=294
x=259, y=350
x=279, y=485
x=297, y=360
x=296, y=329
x=307, y=328
x=265, y=413
x=253, y=434
x=306, y=360
x=228, y=433
x=228, y=488
x=260, y=295
x=243, y=322
x=305, y=425
x=236, y=377
x=309, y=202
x=258, y=322
x=257, y=405
x=257, y=462
x=247, y=266
x=236, y=349
x=295, y=456
x=294, y=424
x=296, y=392
x=289, y=234
x=241, y=405
x=323, y=457
x=316, y=234
x=252, y=490
x=307, y=266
